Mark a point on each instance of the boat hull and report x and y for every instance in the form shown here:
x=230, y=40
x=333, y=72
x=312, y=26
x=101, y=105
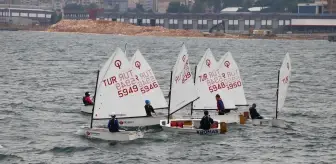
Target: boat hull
x=269, y=122
x=261, y=122
x=278, y=123
x=105, y=134
x=229, y=118
x=141, y=121
x=87, y=109
x=191, y=128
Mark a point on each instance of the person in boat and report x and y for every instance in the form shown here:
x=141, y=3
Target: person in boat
x=149, y=108
x=87, y=99
x=113, y=124
x=206, y=121
x=220, y=106
x=253, y=112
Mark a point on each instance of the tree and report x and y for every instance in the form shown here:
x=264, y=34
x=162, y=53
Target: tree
x=74, y=6
x=92, y=6
x=176, y=7
x=198, y=7
x=139, y=7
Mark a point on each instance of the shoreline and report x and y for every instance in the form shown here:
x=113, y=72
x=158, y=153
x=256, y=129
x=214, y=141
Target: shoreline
x=126, y=29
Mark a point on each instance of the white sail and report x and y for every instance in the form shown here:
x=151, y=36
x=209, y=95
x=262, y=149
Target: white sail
x=284, y=79
x=233, y=80
x=209, y=83
x=148, y=84
x=119, y=92
x=205, y=74
x=183, y=90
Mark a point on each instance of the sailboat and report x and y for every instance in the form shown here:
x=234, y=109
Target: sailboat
x=117, y=93
x=284, y=76
x=87, y=109
x=150, y=90
x=210, y=82
x=183, y=92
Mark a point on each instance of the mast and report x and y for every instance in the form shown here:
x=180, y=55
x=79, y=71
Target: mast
x=125, y=49
x=94, y=99
x=277, y=97
x=192, y=103
x=171, y=79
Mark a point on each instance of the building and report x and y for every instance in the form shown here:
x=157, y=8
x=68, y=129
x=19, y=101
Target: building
x=332, y=6
x=310, y=8
x=118, y=5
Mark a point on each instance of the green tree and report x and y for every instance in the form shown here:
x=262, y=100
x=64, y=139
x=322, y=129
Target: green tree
x=176, y=7
x=198, y=7
x=139, y=7
x=74, y=6
x=92, y=6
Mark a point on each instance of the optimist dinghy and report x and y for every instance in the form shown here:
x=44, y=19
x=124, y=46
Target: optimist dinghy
x=117, y=89
x=211, y=79
x=284, y=76
x=183, y=92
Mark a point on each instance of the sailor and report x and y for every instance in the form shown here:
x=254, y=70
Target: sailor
x=149, y=108
x=253, y=112
x=220, y=106
x=206, y=121
x=87, y=99
x=113, y=124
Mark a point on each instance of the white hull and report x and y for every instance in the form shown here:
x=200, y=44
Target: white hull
x=229, y=118
x=278, y=123
x=192, y=127
x=105, y=134
x=141, y=121
x=269, y=122
x=87, y=109
x=261, y=122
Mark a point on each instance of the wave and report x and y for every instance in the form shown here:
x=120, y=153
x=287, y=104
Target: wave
x=10, y=158
x=69, y=149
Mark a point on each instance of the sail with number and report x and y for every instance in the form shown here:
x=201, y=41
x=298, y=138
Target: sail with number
x=119, y=91
x=209, y=83
x=148, y=84
x=183, y=90
x=284, y=79
x=233, y=81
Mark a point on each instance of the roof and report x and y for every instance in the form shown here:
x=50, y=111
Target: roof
x=309, y=4
x=257, y=8
x=231, y=9
x=313, y=22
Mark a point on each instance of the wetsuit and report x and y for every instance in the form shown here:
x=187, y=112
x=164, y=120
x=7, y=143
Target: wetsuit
x=254, y=114
x=113, y=125
x=206, y=123
x=149, y=110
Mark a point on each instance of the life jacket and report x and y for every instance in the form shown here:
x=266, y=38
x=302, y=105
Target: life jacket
x=113, y=125
x=206, y=122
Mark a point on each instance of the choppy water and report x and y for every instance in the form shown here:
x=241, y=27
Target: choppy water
x=44, y=75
